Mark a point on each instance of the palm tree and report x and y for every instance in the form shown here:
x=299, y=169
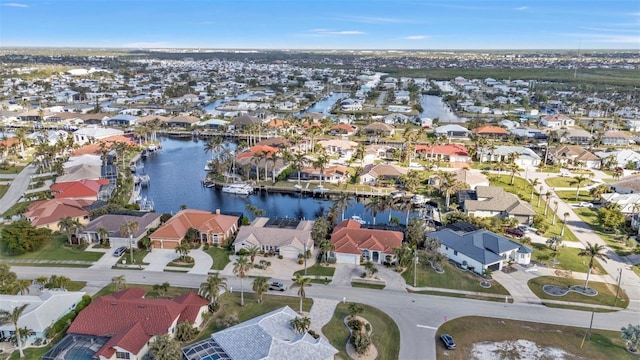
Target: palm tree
x=301, y=281
x=343, y=202
x=555, y=212
x=564, y=223
x=598, y=191
x=386, y=203
x=252, y=251
x=534, y=182
x=12, y=317
x=300, y=324
x=631, y=335
x=592, y=251
x=373, y=207
x=299, y=160
x=547, y=197
x=22, y=286
x=69, y=226
x=240, y=268
x=210, y=289
x=513, y=168
x=326, y=246
x=165, y=347
x=578, y=181
x=213, y=146
x=320, y=163
x=260, y=286
x=118, y=283
x=182, y=249
x=103, y=234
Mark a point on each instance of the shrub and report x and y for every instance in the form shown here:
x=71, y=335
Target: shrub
x=205, y=247
x=242, y=252
x=360, y=342
x=355, y=325
x=280, y=257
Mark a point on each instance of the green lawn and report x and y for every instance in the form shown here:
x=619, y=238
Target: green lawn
x=570, y=196
x=151, y=294
x=181, y=264
x=317, y=269
x=366, y=285
x=55, y=250
x=230, y=304
x=615, y=242
x=523, y=190
x=452, y=278
x=386, y=335
x=13, y=169
x=565, y=182
x=3, y=190
x=470, y=330
x=220, y=257
x=606, y=293
x=566, y=257
x=138, y=255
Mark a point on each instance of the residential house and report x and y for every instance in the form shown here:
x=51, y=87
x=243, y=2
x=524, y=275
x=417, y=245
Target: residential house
x=112, y=223
x=343, y=129
x=627, y=185
x=494, y=201
x=183, y=121
x=629, y=203
x=266, y=337
x=80, y=172
x=343, y=148
x=557, y=121
x=286, y=237
x=260, y=158
x=333, y=174
x=452, y=153
x=123, y=324
x=480, y=250
x=94, y=134
x=122, y=120
x=626, y=159
x=43, y=309
x=453, y=132
x=577, y=136
x=379, y=129
x=491, y=131
x=47, y=213
x=244, y=121
x=213, y=228
x=375, y=174
x=353, y=243
x=350, y=105
x=575, y=155
x=79, y=190
x=616, y=138
x=633, y=124
x=522, y=156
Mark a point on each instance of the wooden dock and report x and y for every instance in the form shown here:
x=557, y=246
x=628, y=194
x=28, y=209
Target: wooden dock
x=303, y=191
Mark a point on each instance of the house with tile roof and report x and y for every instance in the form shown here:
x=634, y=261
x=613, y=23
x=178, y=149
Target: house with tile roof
x=84, y=189
x=183, y=121
x=494, y=201
x=379, y=129
x=625, y=158
x=374, y=173
x=287, y=238
x=47, y=213
x=93, y=134
x=574, y=155
x=448, y=153
x=213, y=228
x=479, y=250
x=352, y=242
x=123, y=324
x=266, y=337
x=522, y=156
x=453, y=132
x=343, y=129
x=491, y=131
x=557, y=121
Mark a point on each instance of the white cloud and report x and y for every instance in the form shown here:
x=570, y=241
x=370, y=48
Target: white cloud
x=18, y=5
x=327, y=32
x=522, y=8
x=416, y=37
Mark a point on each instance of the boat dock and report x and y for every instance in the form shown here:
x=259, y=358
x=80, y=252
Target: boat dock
x=315, y=192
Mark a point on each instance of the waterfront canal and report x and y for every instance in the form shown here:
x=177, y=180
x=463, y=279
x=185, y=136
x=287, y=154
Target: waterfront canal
x=176, y=172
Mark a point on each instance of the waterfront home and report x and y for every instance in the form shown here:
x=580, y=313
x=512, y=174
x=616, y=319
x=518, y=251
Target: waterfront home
x=452, y=132
x=122, y=120
x=340, y=147
x=521, y=155
x=381, y=173
x=182, y=121
x=557, y=121
x=43, y=309
x=84, y=189
x=153, y=118
x=112, y=223
x=214, y=124
x=452, y=153
x=94, y=134
x=627, y=185
x=286, y=237
x=213, y=228
x=574, y=155
x=80, y=172
x=395, y=118
x=47, y=213
x=343, y=130
x=354, y=244
x=351, y=105
x=245, y=121
x=491, y=131
x=472, y=179
x=629, y=203
x=333, y=174
x=379, y=129
x=277, y=339
x=123, y=324
x=313, y=116
x=480, y=250
x=626, y=159
x=616, y=138
x=494, y=201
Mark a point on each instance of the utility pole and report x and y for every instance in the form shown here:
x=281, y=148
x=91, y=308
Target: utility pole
x=131, y=247
x=618, y=289
x=305, y=258
x=415, y=266
x=588, y=332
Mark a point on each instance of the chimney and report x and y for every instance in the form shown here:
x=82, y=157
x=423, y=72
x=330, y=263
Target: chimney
x=217, y=211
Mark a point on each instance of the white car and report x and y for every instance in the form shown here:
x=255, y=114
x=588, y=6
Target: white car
x=585, y=204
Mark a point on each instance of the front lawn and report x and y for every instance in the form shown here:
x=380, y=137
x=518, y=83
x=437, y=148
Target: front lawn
x=317, y=269
x=615, y=241
x=606, y=293
x=367, y=285
x=55, y=249
x=566, y=258
x=220, y=257
x=151, y=293
x=385, y=336
x=230, y=306
x=565, y=182
x=569, y=196
x=470, y=330
x=452, y=278
x=138, y=255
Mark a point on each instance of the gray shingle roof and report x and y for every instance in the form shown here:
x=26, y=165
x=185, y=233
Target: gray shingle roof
x=480, y=245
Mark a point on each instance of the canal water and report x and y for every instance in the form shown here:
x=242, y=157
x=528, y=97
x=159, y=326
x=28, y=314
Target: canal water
x=176, y=172
x=434, y=107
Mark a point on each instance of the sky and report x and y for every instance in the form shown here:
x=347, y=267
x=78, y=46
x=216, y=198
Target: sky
x=322, y=24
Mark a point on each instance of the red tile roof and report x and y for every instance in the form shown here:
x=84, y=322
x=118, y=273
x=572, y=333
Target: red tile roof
x=448, y=149
x=78, y=189
x=45, y=212
x=490, y=129
x=131, y=320
x=256, y=150
x=95, y=148
x=349, y=238
x=204, y=221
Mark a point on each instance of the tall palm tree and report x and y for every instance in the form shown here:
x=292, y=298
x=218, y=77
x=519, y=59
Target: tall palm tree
x=578, y=181
x=321, y=162
x=300, y=324
x=210, y=289
x=103, y=234
x=213, y=146
x=343, y=202
x=118, y=283
x=299, y=160
x=69, y=226
x=592, y=251
x=260, y=286
x=326, y=246
x=253, y=250
x=555, y=212
x=12, y=317
x=386, y=203
x=534, y=182
x=372, y=206
x=547, y=197
x=301, y=281
x=564, y=222
x=240, y=268
x=182, y=249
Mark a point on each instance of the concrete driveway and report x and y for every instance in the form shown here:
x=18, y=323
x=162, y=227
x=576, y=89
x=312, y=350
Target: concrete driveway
x=344, y=273
x=203, y=262
x=158, y=259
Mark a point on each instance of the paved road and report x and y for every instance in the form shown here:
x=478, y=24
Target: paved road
x=18, y=187
x=417, y=316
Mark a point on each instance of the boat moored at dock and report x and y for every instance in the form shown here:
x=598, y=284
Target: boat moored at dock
x=238, y=189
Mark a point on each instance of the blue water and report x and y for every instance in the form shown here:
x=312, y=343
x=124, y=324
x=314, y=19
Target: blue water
x=79, y=354
x=176, y=172
x=434, y=107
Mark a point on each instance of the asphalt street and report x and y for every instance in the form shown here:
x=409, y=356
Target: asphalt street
x=19, y=186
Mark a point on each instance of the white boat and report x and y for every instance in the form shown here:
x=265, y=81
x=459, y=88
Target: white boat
x=238, y=189
x=320, y=190
x=419, y=200
x=358, y=219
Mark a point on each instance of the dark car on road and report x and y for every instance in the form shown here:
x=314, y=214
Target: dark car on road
x=517, y=233
x=278, y=286
x=119, y=251
x=448, y=342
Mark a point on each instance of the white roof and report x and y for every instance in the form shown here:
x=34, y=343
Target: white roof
x=97, y=132
x=451, y=128
x=43, y=310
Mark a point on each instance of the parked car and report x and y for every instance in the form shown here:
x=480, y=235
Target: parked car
x=119, y=251
x=448, y=341
x=515, y=232
x=277, y=286
x=585, y=204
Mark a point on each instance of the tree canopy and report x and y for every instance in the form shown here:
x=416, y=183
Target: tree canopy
x=21, y=237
